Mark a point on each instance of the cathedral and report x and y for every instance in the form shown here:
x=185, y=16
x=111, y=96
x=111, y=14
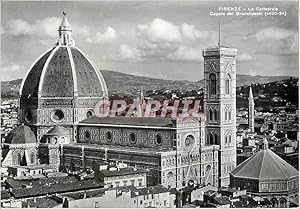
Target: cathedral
x=60, y=129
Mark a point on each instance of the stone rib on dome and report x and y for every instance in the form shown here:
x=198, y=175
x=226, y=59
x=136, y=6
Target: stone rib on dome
x=86, y=75
x=265, y=165
x=30, y=84
x=58, y=79
x=21, y=135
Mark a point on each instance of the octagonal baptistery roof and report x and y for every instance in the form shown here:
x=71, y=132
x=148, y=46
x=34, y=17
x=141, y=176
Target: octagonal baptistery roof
x=265, y=165
x=63, y=71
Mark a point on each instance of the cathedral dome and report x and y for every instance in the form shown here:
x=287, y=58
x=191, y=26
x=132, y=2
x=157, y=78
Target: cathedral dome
x=20, y=135
x=63, y=71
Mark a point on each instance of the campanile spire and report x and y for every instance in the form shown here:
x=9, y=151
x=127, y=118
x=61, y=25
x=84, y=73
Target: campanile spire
x=65, y=32
x=251, y=110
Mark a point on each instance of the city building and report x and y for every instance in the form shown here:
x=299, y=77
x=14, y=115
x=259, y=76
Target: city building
x=126, y=196
x=212, y=199
x=118, y=177
x=20, y=190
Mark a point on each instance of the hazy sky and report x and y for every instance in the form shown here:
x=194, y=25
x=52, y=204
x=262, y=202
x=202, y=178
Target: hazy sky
x=160, y=39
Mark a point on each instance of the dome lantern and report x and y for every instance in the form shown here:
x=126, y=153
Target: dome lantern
x=65, y=32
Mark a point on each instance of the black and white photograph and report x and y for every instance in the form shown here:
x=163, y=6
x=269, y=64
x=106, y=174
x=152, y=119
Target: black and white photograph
x=149, y=104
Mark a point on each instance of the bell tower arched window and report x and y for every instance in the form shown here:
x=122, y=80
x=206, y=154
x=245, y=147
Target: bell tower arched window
x=212, y=84
x=211, y=139
x=210, y=115
x=227, y=84
x=216, y=139
x=216, y=114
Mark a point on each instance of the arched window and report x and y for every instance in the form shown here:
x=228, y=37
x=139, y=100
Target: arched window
x=216, y=139
x=32, y=158
x=211, y=139
x=227, y=84
x=212, y=84
x=282, y=202
x=62, y=140
x=216, y=115
x=229, y=115
x=210, y=115
x=19, y=159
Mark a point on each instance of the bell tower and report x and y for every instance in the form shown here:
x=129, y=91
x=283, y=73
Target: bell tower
x=220, y=106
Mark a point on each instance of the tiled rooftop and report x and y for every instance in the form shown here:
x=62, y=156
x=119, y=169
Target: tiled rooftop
x=123, y=171
x=50, y=186
x=134, y=121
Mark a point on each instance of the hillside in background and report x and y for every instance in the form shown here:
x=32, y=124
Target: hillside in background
x=121, y=83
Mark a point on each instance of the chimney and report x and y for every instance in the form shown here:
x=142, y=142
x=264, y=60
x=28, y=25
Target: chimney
x=65, y=202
